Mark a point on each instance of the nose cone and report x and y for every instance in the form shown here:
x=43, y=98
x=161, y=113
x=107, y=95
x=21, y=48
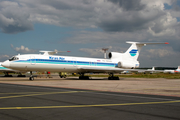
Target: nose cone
x=6, y=64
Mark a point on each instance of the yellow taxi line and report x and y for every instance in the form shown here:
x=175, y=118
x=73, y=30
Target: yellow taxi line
x=44, y=93
x=81, y=106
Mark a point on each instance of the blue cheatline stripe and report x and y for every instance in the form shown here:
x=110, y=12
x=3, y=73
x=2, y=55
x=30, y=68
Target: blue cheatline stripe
x=3, y=67
x=67, y=62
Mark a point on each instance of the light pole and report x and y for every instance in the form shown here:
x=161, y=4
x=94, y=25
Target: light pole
x=105, y=49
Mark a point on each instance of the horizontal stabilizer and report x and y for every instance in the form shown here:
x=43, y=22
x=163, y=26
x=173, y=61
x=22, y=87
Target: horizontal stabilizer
x=52, y=52
x=147, y=43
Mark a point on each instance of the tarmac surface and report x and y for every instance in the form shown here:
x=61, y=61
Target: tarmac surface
x=99, y=98
x=159, y=86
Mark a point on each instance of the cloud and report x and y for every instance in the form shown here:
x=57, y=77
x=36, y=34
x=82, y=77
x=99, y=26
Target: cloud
x=176, y=5
x=164, y=56
x=108, y=15
x=92, y=52
x=13, y=19
x=86, y=37
x=23, y=49
x=4, y=57
x=160, y=52
x=129, y=5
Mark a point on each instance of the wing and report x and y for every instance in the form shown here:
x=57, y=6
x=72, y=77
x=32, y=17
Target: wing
x=103, y=69
x=112, y=70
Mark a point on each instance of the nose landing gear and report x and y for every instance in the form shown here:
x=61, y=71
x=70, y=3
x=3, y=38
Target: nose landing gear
x=31, y=76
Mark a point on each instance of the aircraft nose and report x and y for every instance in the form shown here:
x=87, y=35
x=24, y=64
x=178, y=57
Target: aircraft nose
x=6, y=63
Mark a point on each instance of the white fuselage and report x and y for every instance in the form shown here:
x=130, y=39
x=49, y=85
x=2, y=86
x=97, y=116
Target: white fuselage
x=118, y=62
x=38, y=62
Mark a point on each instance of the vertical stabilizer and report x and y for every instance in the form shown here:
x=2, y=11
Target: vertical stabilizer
x=178, y=68
x=132, y=53
x=153, y=68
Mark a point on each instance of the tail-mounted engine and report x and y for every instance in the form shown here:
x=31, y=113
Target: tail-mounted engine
x=127, y=65
x=124, y=62
x=115, y=55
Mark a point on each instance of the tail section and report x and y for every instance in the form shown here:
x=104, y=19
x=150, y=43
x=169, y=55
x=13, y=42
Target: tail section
x=153, y=68
x=133, y=52
x=129, y=58
x=178, y=68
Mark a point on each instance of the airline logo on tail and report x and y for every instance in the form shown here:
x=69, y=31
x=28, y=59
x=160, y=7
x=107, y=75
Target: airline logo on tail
x=133, y=52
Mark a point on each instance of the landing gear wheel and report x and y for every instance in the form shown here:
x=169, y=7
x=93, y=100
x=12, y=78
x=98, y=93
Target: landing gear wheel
x=83, y=77
x=31, y=78
x=112, y=77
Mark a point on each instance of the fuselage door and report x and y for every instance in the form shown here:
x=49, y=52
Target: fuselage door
x=74, y=62
x=32, y=60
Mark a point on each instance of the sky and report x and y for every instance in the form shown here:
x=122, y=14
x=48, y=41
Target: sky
x=84, y=27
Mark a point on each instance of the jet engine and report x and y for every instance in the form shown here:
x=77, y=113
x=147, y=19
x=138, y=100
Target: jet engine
x=115, y=55
x=129, y=65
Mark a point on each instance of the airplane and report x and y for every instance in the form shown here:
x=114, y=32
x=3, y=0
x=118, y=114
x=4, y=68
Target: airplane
x=151, y=71
x=173, y=71
x=116, y=63
x=6, y=71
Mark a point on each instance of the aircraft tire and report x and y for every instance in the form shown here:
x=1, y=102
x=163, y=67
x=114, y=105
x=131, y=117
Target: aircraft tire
x=84, y=77
x=31, y=78
x=113, y=78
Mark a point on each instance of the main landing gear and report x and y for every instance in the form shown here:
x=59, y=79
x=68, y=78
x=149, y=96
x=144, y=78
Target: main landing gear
x=62, y=74
x=112, y=77
x=83, y=77
x=31, y=76
x=20, y=75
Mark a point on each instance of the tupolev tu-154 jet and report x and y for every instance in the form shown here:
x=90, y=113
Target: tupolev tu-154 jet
x=116, y=63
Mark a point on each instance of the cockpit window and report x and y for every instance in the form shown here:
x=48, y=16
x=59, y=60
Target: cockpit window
x=13, y=58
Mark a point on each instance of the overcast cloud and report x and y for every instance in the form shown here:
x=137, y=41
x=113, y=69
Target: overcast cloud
x=116, y=20
x=109, y=15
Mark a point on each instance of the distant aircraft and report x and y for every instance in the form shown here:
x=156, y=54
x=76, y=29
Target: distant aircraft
x=6, y=71
x=150, y=71
x=116, y=63
x=173, y=71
